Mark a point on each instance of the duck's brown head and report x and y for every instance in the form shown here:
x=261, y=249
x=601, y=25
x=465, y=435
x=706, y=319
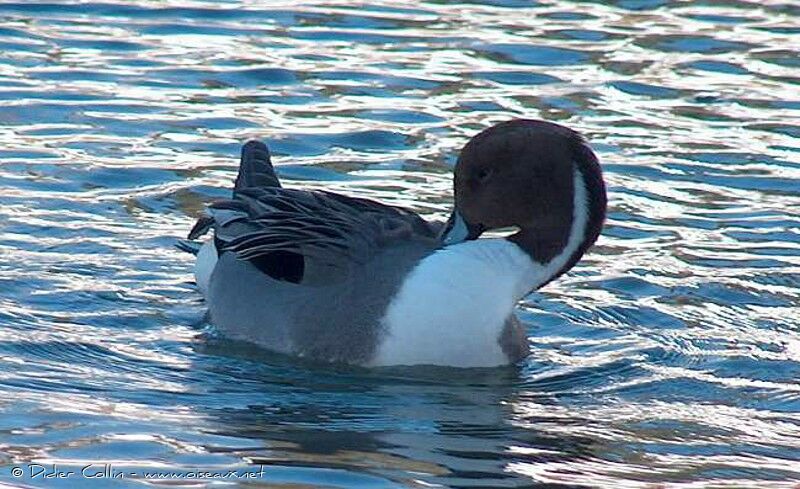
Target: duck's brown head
x=539, y=177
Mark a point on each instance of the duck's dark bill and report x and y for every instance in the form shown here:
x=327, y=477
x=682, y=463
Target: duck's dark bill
x=457, y=230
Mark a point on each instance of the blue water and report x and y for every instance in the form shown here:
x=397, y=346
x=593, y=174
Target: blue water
x=670, y=355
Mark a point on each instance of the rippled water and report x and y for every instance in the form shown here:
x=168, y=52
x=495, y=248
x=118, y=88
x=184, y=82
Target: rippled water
x=670, y=354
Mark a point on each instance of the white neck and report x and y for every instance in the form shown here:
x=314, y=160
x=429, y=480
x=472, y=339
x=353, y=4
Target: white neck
x=452, y=307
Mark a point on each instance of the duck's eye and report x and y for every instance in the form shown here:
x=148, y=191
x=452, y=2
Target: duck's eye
x=484, y=174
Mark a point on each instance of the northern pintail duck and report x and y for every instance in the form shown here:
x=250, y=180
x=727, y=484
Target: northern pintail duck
x=337, y=278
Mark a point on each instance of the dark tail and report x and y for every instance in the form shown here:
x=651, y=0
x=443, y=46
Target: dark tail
x=255, y=169
x=188, y=246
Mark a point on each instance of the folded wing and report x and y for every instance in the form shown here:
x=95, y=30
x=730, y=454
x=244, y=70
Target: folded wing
x=302, y=236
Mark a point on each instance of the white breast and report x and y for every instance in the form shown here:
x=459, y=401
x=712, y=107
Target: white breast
x=452, y=308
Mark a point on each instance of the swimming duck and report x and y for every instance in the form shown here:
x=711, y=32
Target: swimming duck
x=344, y=279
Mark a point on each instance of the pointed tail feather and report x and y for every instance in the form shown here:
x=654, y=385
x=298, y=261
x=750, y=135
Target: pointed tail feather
x=192, y=247
x=255, y=169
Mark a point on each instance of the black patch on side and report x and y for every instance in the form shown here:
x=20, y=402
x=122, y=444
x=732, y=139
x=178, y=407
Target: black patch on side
x=281, y=265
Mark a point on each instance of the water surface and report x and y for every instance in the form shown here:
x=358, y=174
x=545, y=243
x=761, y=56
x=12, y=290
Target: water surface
x=669, y=357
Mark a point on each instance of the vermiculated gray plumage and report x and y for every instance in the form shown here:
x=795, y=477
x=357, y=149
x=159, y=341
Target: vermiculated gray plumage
x=307, y=272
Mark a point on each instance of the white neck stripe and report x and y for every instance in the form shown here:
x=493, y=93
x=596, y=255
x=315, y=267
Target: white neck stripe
x=577, y=232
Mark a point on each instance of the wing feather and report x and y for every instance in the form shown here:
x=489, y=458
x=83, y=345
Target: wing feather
x=327, y=229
